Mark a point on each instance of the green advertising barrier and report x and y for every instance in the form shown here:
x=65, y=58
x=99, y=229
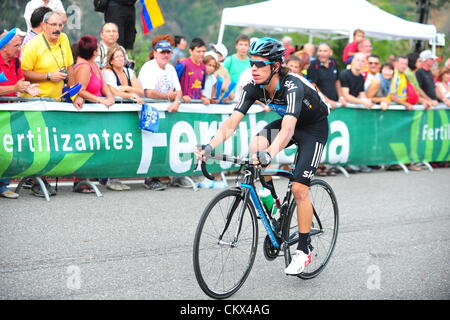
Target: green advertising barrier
x=110, y=144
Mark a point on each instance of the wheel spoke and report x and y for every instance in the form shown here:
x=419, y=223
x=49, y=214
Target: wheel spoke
x=323, y=233
x=222, y=268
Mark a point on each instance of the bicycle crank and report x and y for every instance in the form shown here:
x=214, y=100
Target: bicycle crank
x=270, y=252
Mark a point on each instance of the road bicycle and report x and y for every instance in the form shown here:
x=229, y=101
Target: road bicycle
x=226, y=238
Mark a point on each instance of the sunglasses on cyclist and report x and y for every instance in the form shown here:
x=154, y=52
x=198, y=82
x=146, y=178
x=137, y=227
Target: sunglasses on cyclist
x=259, y=63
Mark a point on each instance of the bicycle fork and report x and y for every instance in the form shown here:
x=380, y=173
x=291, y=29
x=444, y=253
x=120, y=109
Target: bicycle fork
x=229, y=217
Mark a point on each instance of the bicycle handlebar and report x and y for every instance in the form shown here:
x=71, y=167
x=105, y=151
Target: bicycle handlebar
x=223, y=157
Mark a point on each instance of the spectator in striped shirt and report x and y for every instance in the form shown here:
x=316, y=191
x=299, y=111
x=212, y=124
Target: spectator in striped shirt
x=191, y=71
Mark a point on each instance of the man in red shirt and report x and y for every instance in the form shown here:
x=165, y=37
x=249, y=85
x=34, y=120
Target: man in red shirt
x=10, y=66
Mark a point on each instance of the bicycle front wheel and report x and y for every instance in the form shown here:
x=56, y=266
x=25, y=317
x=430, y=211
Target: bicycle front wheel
x=225, y=244
x=324, y=227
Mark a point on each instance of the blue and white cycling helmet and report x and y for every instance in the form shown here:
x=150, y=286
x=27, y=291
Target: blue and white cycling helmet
x=268, y=48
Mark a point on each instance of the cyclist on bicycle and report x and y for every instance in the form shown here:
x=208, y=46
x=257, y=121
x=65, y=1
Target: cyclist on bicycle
x=303, y=122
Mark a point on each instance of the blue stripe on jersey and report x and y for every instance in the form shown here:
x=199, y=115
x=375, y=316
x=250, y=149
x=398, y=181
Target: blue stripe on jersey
x=278, y=108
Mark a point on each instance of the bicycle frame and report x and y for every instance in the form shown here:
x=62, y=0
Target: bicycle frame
x=248, y=187
x=257, y=204
x=265, y=216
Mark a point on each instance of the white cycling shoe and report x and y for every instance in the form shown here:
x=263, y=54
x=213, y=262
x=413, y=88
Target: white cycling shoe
x=299, y=262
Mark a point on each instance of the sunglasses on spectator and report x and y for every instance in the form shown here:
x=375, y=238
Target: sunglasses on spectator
x=259, y=63
x=374, y=63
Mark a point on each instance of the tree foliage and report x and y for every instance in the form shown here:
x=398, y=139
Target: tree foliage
x=201, y=18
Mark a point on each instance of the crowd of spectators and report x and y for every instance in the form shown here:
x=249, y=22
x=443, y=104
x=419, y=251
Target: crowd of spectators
x=43, y=62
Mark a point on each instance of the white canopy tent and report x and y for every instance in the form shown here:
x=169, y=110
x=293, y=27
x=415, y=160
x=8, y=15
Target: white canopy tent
x=324, y=18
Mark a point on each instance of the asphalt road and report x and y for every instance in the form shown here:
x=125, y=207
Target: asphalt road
x=393, y=244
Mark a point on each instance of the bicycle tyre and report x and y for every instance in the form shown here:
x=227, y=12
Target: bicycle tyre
x=324, y=229
x=207, y=250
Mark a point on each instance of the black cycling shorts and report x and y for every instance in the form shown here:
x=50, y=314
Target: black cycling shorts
x=310, y=141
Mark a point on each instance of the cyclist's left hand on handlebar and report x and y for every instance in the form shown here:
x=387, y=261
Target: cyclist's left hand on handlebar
x=263, y=158
x=202, y=151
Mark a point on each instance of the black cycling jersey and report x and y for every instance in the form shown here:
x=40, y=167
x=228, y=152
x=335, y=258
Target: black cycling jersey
x=295, y=96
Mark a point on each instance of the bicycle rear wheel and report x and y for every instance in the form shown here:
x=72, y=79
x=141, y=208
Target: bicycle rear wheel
x=324, y=228
x=221, y=266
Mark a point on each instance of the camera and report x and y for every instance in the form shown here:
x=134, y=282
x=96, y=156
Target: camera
x=130, y=65
x=66, y=80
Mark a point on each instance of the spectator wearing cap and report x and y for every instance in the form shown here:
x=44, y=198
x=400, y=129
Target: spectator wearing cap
x=178, y=50
x=410, y=73
x=191, y=71
x=238, y=62
x=10, y=67
x=324, y=73
x=54, y=5
x=159, y=80
x=15, y=84
x=37, y=23
x=425, y=78
x=158, y=77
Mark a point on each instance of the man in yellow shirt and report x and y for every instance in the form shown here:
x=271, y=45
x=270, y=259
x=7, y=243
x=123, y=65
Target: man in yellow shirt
x=47, y=59
x=398, y=83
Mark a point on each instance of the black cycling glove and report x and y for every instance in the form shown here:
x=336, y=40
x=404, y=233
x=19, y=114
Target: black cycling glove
x=264, y=158
x=207, y=147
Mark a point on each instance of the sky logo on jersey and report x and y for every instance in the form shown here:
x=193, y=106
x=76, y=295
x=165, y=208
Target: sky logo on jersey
x=290, y=85
x=280, y=109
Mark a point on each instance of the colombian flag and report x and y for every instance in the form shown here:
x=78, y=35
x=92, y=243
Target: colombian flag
x=71, y=93
x=151, y=15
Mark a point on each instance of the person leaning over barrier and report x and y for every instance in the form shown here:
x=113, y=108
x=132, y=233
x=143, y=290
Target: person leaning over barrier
x=159, y=80
x=15, y=84
x=379, y=87
x=121, y=80
x=47, y=60
x=352, y=84
x=89, y=75
x=191, y=71
x=10, y=67
x=443, y=85
x=426, y=79
x=93, y=89
x=398, y=92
